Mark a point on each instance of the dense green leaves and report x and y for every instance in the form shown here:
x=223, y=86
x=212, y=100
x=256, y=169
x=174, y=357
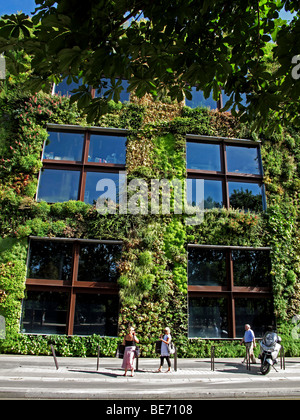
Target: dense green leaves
x=209, y=44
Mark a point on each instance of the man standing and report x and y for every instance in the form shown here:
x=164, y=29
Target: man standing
x=249, y=340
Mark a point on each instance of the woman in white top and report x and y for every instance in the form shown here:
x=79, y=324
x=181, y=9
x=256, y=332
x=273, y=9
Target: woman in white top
x=164, y=353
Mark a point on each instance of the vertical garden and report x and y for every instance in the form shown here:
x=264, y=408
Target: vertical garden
x=152, y=271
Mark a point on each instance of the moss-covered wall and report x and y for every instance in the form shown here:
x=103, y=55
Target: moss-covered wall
x=153, y=270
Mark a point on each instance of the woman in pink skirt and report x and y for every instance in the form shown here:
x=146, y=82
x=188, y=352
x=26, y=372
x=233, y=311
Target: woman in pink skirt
x=129, y=342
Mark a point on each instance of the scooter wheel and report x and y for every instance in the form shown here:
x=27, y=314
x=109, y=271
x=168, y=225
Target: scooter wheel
x=265, y=368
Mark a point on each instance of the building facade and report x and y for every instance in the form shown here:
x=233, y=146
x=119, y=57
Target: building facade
x=157, y=215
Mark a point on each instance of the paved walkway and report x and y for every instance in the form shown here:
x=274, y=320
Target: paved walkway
x=36, y=377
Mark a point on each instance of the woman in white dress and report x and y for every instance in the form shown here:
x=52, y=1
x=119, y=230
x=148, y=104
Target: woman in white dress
x=164, y=353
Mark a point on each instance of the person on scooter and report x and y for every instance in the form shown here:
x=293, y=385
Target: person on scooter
x=249, y=340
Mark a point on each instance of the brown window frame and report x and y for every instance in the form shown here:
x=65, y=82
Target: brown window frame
x=72, y=286
x=223, y=175
x=230, y=291
x=84, y=165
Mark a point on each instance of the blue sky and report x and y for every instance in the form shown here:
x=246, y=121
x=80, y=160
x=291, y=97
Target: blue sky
x=14, y=6
x=28, y=6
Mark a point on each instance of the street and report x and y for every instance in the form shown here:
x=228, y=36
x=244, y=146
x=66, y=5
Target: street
x=36, y=377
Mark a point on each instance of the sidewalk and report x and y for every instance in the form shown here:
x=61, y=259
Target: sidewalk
x=36, y=377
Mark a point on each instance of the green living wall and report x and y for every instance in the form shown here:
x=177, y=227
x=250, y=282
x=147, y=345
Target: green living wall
x=153, y=269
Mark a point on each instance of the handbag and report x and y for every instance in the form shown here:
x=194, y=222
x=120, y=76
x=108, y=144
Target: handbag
x=158, y=347
x=137, y=352
x=171, y=348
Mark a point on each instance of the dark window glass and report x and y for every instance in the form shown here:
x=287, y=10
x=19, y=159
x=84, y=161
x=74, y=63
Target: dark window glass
x=206, y=267
x=203, y=156
x=247, y=196
x=50, y=260
x=56, y=185
x=208, y=317
x=44, y=312
x=256, y=312
x=209, y=191
x=98, y=262
x=251, y=268
x=198, y=100
x=64, y=146
x=243, y=160
x=107, y=149
x=102, y=185
x=96, y=314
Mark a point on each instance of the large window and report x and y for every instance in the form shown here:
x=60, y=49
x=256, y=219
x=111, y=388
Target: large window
x=76, y=159
x=228, y=288
x=231, y=171
x=71, y=287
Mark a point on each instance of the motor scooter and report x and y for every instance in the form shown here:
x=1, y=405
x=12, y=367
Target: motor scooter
x=269, y=350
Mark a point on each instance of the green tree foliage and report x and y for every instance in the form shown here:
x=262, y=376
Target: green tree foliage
x=158, y=45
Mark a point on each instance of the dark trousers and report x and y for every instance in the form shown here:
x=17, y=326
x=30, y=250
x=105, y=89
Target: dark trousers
x=162, y=359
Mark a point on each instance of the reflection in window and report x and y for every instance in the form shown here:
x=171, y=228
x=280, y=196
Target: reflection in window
x=124, y=95
x=247, y=196
x=259, y=313
x=63, y=89
x=98, y=262
x=243, y=160
x=64, y=146
x=208, y=317
x=50, y=260
x=102, y=185
x=206, y=267
x=213, y=193
x=251, y=268
x=203, y=156
x=198, y=100
x=44, y=312
x=56, y=185
x=107, y=149
x=96, y=314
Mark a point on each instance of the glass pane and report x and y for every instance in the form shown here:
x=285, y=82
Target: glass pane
x=247, y=196
x=50, y=260
x=206, y=267
x=96, y=314
x=98, y=262
x=208, y=318
x=124, y=95
x=198, y=100
x=251, y=268
x=63, y=89
x=64, y=146
x=58, y=185
x=243, y=160
x=44, y=312
x=203, y=156
x=213, y=193
x=259, y=313
x=101, y=184
x=107, y=149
